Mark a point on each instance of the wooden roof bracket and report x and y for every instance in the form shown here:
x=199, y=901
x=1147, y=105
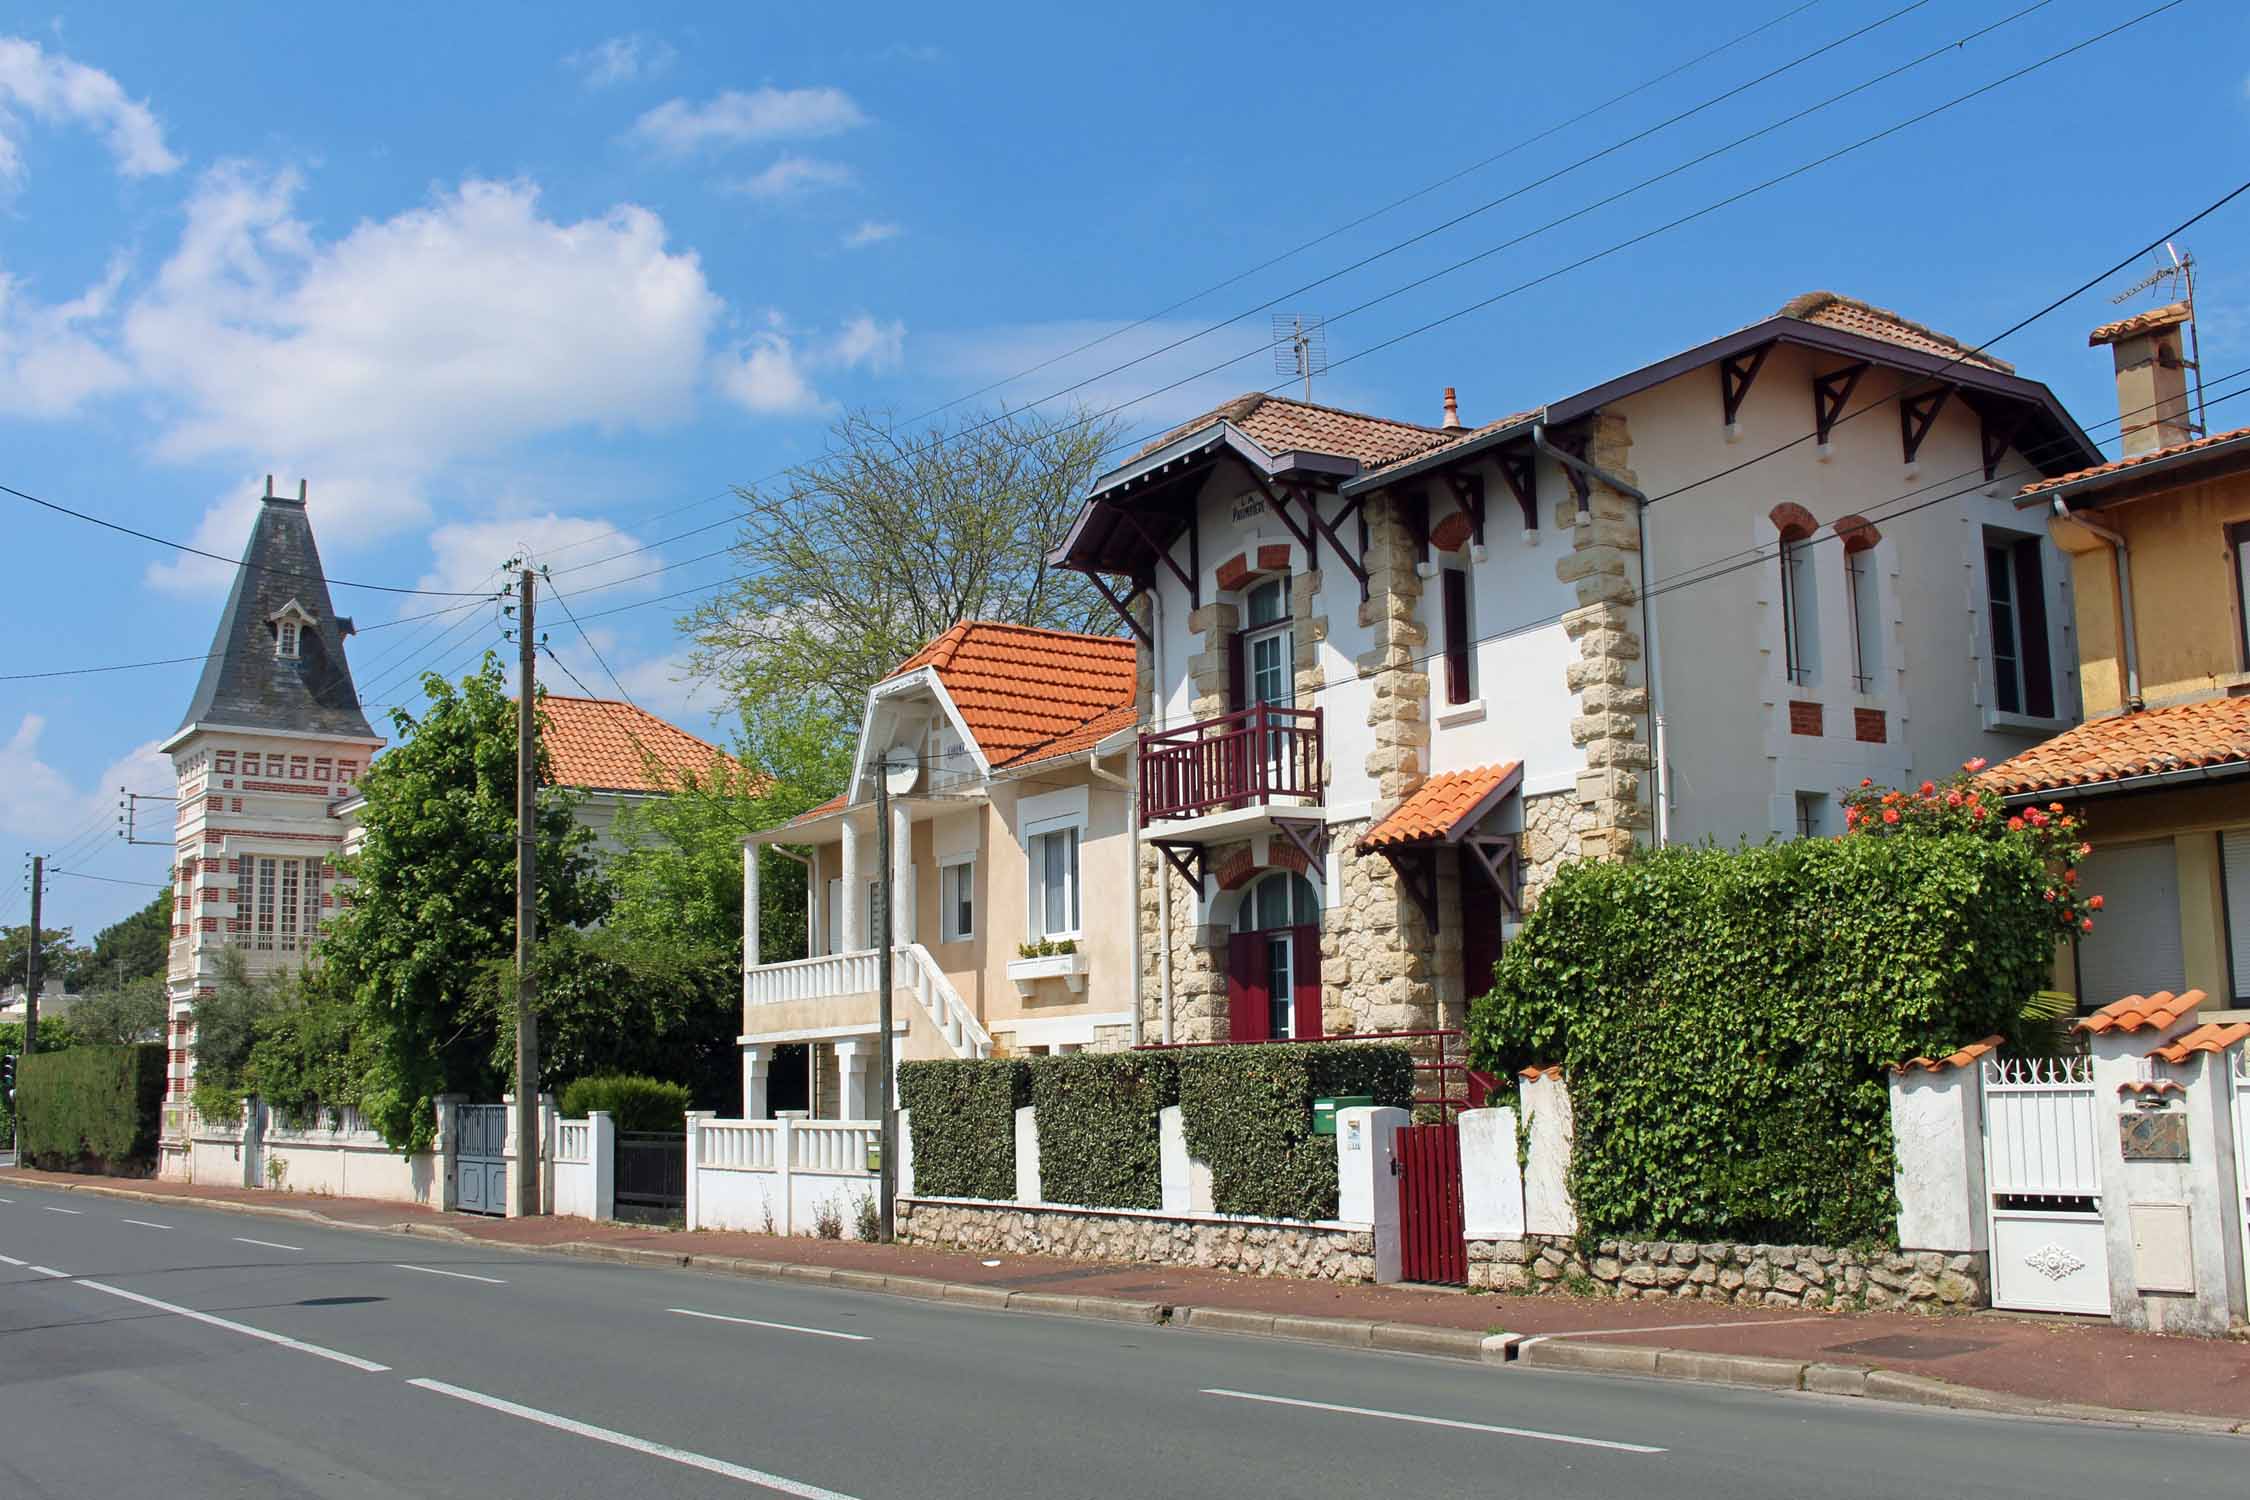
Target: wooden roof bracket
x=1416, y=504
x=1311, y=838
x=1186, y=860
x=1520, y=468
x=1187, y=578
x=1737, y=374
x=1575, y=444
x=1468, y=493
x=1832, y=392
x=1320, y=526
x=1124, y=606
x=1307, y=538
x=1496, y=856
x=1916, y=416
x=1995, y=437
x=1417, y=876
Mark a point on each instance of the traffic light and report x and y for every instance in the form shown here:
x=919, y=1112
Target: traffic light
x=8, y=1078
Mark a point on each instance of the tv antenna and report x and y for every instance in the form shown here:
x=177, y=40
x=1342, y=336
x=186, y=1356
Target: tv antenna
x=1300, y=347
x=2177, y=266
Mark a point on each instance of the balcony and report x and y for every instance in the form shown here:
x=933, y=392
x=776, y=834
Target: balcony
x=1248, y=759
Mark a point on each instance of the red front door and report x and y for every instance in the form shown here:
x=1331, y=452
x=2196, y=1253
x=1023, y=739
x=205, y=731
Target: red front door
x=1273, y=984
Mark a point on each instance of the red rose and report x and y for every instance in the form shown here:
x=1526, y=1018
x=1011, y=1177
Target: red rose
x=2015, y=825
x=1974, y=766
x=1890, y=815
x=1929, y=789
x=2086, y=924
x=2093, y=903
x=1866, y=781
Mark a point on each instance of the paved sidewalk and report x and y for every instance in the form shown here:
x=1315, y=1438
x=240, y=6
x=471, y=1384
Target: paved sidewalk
x=2064, y=1361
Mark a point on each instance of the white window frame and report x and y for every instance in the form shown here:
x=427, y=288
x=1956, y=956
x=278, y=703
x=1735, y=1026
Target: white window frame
x=285, y=640
x=1800, y=612
x=952, y=870
x=1863, y=596
x=1035, y=871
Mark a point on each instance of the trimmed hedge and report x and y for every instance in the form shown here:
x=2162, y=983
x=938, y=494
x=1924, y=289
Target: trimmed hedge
x=1726, y=1019
x=92, y=1109
x=1247, y=1111
x=634, y=1103
x=964, y=1124
x=1099, y=1138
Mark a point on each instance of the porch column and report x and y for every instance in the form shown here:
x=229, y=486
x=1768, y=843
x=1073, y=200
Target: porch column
x=854, y=1058
x=750, y=948
x=756, y=1058
x=902, y=876
x=852, y=915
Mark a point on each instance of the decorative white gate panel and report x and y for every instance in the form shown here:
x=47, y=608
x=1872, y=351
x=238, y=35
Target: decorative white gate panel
x=480, y=1166
x=2050, y=1252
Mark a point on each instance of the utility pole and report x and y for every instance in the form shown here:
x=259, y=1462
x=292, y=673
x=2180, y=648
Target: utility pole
x=32, y=977
x=887, y=1181
x=527, y=906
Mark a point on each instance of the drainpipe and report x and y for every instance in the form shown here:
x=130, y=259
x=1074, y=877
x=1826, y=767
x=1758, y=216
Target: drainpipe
x=2116, y=541
x=1163, y=875
x=1659, y=773
x=1133, y=824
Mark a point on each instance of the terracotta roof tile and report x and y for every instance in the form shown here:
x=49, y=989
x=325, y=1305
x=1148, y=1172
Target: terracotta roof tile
x=1437, y=808
x=2181, y=737
x=1085, y=737
x=2140, y=322
x=2209, y=1037
x=1280, y=425
x=1830, y=310
x=833, y=804
x=1958, y=1059
x=2143, y=1012
x=1023, y=691
x=2150, y=1088
x=600, y=744
x=2118, y=466
x=1552, y=1070
x=1464, y=435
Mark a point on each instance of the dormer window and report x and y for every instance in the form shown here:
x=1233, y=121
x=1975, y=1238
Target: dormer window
x=285, y=643
x=290, y=622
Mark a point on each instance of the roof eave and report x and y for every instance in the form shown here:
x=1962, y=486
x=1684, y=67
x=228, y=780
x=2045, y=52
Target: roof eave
x=2131, y=477
x=1413, y=467
x=2121, y=785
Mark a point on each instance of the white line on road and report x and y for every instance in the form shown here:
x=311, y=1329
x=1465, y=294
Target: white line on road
x=231, y=1326
x=54, y=1210
x=1406, y=1416
x=59, y=1275
x=625, y=1440
x=7, y=1200
x=144, y=1223
x=269, y=1244
x=458, y=1275
x=10, y=1260
x=823, y=1333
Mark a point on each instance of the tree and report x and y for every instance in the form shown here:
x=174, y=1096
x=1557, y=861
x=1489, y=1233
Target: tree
x=61, y=961
x=226, y=1026
x=855, y=561
x=117, y=1016
x=434, y=899
x=136, y=947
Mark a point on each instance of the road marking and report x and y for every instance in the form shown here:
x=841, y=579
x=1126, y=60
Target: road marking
x=231, y=1326
x=1611, y=1333
x=459, y=1275
x=1407, y=1416
x=49, y=1207
x=59, y=1275
x=822, y=1333
x=7, y=1200
x=10, y=1260
x=625, y=1440
x=269, y=1244
x=144, y=1223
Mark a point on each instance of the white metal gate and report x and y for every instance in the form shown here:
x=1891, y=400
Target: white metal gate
x=2050, y=1252
x=480, y=1167
x=2242, y=1151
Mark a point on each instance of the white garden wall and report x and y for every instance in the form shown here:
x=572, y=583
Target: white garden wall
x=779, y=1176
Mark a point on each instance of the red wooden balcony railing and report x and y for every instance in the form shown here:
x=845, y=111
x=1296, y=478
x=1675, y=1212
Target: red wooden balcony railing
x=1243, y=759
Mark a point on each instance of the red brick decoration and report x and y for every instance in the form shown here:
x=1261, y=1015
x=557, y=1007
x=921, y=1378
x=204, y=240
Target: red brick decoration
x=1868, y=726
x=1804, y=718
x=1240, y=870
x=1452, y=533
x=1234, y=572
x=1793, y=521
x=1236, y=872
x=1857, y=533
x=1273, y=558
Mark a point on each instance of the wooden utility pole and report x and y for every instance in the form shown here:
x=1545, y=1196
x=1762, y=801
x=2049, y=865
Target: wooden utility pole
x=33, y=977
x=527, y=904
x=887, y=1179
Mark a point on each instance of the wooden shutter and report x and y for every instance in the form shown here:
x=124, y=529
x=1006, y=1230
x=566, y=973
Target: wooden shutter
x=1304, y=948
x=2031, y=622
x=1238, y=673
x=2134, y=948
x=1247, y=1017
x=2234, y=863
x=1456, y=635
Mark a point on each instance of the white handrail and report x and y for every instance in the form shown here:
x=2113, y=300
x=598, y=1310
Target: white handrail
x=958, y=1024
x=810, y=978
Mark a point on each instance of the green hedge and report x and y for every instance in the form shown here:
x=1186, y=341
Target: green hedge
x=1726, y=1018
x=634, y=1103
x=1099, y=1142
x=964, y=1124
x=92, y=1108
x=1247, y=1112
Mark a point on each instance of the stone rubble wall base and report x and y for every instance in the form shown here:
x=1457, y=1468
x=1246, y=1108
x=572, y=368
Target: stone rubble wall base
x=1813, y=1278
x=1310, y=1251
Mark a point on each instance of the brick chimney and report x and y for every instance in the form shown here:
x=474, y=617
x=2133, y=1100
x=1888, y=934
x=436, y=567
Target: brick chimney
x=2152, y=385
x=1452, y=422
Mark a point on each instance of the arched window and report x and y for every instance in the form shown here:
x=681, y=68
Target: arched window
x=1273, y=960
x=1800, y=606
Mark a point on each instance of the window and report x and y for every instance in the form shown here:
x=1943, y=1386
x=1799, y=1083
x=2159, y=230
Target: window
x=1812, y=815
x=1867, y=633
x=299, y=768
x=2016, y=592
x=1800, y=607
x=2135, y=947
x=2238, y=540
x=1270, y=645
x=957, y=911
x=284, y=900
x=1457, y=654
x=1273, y=960
x=285, y=639
x=1054, y=883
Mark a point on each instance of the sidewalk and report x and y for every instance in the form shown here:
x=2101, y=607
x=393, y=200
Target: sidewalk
x=2023, y=1363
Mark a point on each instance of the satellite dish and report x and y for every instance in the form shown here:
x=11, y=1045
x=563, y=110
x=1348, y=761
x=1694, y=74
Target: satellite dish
x=902, y=770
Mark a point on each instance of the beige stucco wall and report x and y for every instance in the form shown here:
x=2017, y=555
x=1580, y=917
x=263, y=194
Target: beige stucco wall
x=2187, y=610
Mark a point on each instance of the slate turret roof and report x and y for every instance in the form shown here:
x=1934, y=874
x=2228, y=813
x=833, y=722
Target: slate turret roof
x=245, y=684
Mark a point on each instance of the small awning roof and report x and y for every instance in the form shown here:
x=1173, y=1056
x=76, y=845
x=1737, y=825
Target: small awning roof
x=1446, y=808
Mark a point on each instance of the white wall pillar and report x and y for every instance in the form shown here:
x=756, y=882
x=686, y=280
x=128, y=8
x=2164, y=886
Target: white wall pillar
x=905, y=1175
x=1366, y=1187
x=601, y=1137
x=448, y=1145
x=757, y=1060
x=253, y=1141
x=1547, y=1205
x=1027, y=1155
x=695, y=1119
x=1937, y=1126
x=1491, y=1175
x=852, y=916
x=902, y=876
x=1186, y=1181
x=750, y=946
x=855, y=1060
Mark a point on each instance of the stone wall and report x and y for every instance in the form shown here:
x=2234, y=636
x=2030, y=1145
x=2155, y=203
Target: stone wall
x=1809, y=1277
x=1254, y=1247
x=1550, y=840
x=1610, y=678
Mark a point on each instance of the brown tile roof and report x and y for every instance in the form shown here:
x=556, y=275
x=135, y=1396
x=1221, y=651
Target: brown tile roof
x=2140, y=322
x=1958, y=1059
x=1437, y=808
x=600, y=744
x=1280, y=425
x=2209, y=1037
x=1085, y=737
x=2179, y=737
x=833, y=804
x=1464, y=435
x=1830, y=310
x=2143, y=1012
x=1552, y=1070
x=1024, y=691
x=2120, y=465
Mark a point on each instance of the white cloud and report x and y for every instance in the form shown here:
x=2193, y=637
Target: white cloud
x=868, y=341
x=793, y=175
x=39, y=802
x=621, y=59
x=52, y=356
x=55, y=90
x=1028, y=361
x=348, y=508
x=583, y=551
x=870, y=232
x=735, y=118
x=772, y=374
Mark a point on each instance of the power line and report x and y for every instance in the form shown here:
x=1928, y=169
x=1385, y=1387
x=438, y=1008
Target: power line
x=110, y=880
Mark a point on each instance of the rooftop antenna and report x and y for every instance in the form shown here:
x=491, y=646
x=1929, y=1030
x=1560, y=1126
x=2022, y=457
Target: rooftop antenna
x=2176, y=265
x=1300, y=347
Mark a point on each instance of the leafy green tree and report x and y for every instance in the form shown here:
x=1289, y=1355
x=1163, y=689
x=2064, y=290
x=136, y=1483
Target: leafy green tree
x=135, y=948
x=61, y=961
x=226, y=1025
x=120, y=1015
x=434, y=900
x=311, y=1054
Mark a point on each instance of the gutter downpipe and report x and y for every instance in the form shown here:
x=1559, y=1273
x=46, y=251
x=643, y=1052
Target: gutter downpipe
x=1163, y=876
x=1660, y=793
x=1133, y=824
x=2116, y=541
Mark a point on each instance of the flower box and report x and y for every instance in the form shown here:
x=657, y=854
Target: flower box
x=1070, y=968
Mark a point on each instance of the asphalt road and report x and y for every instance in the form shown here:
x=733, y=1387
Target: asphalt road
x=202, y=1354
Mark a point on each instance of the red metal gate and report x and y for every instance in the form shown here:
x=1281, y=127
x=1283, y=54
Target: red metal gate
x=1432, y=1246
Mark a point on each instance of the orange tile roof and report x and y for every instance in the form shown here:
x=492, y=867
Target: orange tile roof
x=2117, y=466
x=2209, y=1037
x=2181, y=737
x=1958, y=1059
x=1024, y=692
x=600, y=744
x=2140, y=322
x=1280, y=425
x=1436, y=809
x=1830, y=310
x=2143, y=1012
x=833, y=804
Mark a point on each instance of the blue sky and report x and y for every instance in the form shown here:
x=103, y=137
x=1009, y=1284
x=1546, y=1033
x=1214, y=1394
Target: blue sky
x=499, y=276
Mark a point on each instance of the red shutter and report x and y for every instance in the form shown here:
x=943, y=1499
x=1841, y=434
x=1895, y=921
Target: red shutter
x=1238, y=675
x=1305, y=958
x=1247, y=1017
x=1456, y=635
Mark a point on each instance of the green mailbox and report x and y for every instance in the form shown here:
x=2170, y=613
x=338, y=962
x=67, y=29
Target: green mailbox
x=1324, y=1110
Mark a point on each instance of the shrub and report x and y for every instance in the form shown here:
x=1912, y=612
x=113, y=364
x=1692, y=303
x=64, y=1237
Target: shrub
x=92, y=1108
x=307, y=1058
x=964, y=1124
x=634, y=1103
x=1099, y=1141
x=1247, y=1111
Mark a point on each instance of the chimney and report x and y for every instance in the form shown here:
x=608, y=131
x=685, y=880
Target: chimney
x=2152, y=386
x=1452, y=422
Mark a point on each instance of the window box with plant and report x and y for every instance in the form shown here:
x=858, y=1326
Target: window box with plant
x=1048, y=958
